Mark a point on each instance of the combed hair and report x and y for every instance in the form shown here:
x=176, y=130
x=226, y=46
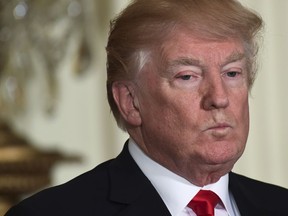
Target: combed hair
x=145, y=25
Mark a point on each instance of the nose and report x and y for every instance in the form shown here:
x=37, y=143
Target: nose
x=215, y=95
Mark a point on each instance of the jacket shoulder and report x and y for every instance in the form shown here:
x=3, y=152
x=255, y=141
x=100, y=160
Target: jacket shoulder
x=256, y=185
x=267, y=198
x=87, y=191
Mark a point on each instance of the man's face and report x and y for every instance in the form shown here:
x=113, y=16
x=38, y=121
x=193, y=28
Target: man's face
x=194, y=106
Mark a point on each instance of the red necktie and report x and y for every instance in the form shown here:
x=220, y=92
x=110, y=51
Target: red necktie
x=204, y=202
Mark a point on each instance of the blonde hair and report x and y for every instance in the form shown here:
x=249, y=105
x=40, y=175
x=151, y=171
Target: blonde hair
x=145, y=24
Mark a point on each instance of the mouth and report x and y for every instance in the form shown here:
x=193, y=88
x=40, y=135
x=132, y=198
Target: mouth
x=219, y=126
x=219, y=130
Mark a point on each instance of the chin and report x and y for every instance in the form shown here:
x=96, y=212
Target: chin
x=222, y=156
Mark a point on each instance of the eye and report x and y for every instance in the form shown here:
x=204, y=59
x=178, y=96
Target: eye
x=185, y=77
x=232, y=73
x=234, y=77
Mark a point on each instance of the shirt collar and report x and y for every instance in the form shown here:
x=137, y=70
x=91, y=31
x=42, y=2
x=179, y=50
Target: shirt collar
x=175, y=191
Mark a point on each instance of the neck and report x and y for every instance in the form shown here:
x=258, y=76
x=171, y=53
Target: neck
x=198, y=175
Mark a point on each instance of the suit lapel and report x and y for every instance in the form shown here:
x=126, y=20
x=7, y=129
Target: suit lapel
x=130, y=187
x=145, y=204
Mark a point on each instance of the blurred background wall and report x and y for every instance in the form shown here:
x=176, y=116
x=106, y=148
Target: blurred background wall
x=64, y=106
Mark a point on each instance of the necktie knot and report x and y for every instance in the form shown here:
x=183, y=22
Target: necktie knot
x=204, y=202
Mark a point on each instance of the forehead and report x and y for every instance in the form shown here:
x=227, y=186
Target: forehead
x=183, y=45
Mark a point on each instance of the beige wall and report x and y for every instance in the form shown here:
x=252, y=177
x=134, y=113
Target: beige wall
x=82, y=122
x=266, y=154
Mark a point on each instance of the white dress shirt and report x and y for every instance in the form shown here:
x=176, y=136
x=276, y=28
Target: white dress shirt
x=177, y=192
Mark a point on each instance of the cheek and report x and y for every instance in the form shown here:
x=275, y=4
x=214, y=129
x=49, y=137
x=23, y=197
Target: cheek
x=172, y=118
x=241, y=112
x=181, y=108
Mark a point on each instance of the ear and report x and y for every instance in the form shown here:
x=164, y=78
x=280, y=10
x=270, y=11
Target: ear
x=127, y=103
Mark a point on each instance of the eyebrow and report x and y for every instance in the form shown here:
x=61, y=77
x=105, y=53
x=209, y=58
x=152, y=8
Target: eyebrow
x=234, y=57
x=188, y=61
x=183, y=61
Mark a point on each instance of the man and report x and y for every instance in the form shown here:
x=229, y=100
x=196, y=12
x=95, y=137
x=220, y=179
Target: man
x=179, y=75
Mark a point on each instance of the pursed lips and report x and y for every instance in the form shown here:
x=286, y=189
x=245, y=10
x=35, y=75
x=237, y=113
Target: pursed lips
x=219, y=130
x=221, y=127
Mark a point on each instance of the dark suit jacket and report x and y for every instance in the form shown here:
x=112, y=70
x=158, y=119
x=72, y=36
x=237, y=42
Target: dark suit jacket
x=119, y=188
